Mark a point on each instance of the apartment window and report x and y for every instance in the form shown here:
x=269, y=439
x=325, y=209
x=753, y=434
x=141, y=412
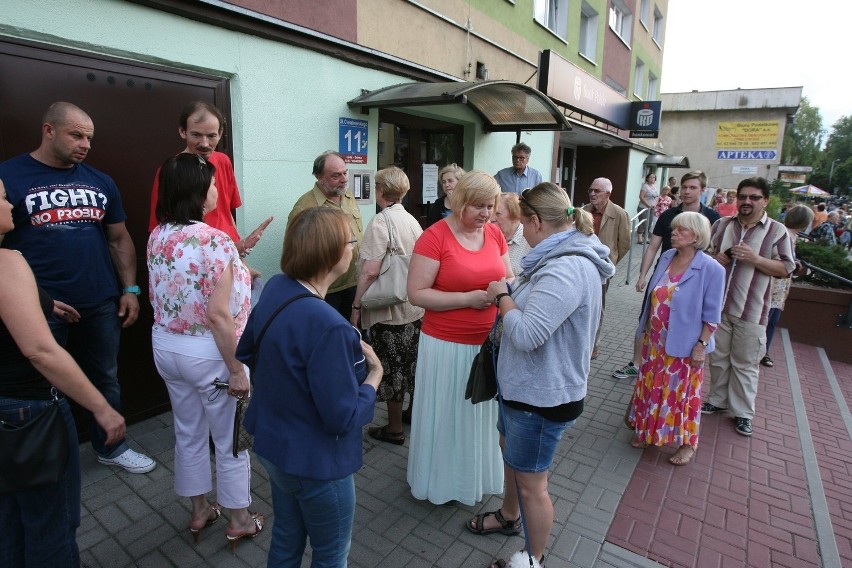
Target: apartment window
x=639, y=78
x=588, y=32
x=658, y=27
x=553, y=14
x=615, y=85
x=653, y=82
x=644, y=12
x=621, y=20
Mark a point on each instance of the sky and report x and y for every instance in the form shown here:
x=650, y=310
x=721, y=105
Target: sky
x=715, y=45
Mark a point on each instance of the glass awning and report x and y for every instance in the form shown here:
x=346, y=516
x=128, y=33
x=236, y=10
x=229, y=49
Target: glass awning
x=668, y=161
x=504, y=106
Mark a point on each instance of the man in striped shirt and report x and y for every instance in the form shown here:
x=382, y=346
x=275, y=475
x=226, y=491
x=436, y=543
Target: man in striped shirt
x=752, y=248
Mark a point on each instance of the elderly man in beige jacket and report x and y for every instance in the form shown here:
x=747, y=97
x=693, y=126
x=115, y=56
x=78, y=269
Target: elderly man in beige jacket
x=612, y=226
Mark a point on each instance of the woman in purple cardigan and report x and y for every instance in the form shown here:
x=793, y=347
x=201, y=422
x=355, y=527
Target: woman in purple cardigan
x=681, y=311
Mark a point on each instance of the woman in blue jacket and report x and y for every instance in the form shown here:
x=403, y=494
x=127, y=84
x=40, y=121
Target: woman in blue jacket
x=315, y=387
x=681, y=311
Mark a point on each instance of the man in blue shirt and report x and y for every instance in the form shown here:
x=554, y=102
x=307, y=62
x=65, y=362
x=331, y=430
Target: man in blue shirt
x=520, y=176
x=69, y=225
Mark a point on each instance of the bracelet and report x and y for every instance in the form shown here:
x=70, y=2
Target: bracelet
x=499, y=297
x=702, y=342
x=354, y=307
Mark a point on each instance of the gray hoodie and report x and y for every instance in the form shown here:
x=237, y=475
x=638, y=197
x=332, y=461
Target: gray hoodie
x=546, y=346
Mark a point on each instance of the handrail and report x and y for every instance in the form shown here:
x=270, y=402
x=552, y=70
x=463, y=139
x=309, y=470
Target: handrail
x=842, y=320
x=633, y=226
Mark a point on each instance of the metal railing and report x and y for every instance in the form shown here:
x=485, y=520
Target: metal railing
x=634, y=225
x=843, y=320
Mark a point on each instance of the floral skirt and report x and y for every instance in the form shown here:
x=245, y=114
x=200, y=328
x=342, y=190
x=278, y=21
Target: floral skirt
x=396, y=348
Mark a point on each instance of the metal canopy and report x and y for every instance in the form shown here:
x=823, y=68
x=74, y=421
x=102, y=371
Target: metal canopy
x=668, y=161
x=504, y=106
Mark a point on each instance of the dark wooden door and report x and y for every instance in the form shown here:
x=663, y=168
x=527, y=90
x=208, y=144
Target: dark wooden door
x=135, y=108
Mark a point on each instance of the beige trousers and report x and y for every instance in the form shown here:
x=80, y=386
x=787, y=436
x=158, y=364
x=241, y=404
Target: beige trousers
x=735, y=365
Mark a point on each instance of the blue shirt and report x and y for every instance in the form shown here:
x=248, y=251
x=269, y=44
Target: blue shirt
x=60, y=216
x=511, y=182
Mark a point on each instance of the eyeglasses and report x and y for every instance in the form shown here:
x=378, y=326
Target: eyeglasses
x=523, y=199
x=595, y=190
x=520, y=158
x=353, y=242
x=753, y=197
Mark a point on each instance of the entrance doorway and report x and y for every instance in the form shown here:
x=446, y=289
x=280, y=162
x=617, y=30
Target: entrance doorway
x=408, y=142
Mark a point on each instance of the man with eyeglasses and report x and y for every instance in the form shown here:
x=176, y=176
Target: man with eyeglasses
x=520, y=176
x=331, y=190
x=753, y=248
x=612, y=226
x=691, y=185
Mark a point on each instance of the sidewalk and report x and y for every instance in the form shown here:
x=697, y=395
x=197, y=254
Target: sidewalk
x=759, y=501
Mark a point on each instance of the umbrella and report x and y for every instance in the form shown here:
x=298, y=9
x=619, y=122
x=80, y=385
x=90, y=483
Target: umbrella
x=809, y=190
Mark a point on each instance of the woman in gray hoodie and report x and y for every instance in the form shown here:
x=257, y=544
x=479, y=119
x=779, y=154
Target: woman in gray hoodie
x=550, y=318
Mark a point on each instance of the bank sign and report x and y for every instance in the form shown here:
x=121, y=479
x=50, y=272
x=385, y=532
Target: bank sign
x=765, y=155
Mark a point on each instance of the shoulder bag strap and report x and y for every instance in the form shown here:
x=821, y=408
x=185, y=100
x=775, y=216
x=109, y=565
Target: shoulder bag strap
x=268, y=323
x=391, y=227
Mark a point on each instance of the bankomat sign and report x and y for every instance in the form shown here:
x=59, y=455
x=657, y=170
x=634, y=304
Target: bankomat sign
x=645, y=119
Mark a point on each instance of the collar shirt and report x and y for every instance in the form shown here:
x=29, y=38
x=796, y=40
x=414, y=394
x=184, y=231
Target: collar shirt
x=511, y=182
x=748, y=289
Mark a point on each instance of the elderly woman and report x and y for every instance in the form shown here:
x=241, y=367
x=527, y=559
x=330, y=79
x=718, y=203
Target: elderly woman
x=394, y=330
x=648, y=195
x=454, y=452
x=508, y=218
x=200, y=291
x=681, y=311
x=315, y=388
x=448, y=177
x=39, y=523
x=545, y=353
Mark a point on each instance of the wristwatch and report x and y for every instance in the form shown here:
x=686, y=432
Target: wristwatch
x=499, y=297
x=702, y=342
x=131, y=290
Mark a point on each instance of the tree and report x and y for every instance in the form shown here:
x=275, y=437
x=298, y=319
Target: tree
x=803, y=138
x=838, y=151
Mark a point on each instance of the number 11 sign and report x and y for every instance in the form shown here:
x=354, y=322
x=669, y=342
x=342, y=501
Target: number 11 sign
x=353, y=140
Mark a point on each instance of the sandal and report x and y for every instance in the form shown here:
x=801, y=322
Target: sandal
x=196, y=533
x=680, y=457
x=234, y=538
x=381, y=433
x=507, y=527
x=638, y=444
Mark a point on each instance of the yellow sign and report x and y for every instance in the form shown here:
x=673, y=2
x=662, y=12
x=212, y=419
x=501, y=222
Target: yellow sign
x=756, y=135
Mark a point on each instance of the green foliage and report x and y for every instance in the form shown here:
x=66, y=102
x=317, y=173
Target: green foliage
x=831, y=258
x=838, y=151
x=803, y=138
x=773, y=208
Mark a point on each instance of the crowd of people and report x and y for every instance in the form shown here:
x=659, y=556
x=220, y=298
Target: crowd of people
x=311, y=357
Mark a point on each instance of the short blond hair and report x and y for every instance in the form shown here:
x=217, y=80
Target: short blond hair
x=698, y=224
x=475, y=187
x=394, y=183
x=551, y=204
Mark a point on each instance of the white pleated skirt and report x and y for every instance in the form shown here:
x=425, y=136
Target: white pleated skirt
x=454, y=445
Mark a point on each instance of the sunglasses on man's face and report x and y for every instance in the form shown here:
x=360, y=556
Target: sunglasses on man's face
x=754, y=197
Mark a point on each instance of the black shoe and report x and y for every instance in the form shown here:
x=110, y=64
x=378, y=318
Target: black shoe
x=707, y=408
x=743, y=426
x=767, y=361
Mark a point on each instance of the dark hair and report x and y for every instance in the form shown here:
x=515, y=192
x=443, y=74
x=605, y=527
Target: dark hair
x=183, y=184
x=757, y=183
x=200, y=106
x=798, y=217
x=319, y=162
x=314, y=242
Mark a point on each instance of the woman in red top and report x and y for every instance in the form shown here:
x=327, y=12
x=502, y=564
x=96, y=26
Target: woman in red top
x=729, y=207
x=455, y=452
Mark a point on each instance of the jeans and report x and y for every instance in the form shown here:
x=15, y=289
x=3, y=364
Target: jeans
x=38, y=526
x=310, y=508
x=93, y=342
x=774, y=316
x=530, y=439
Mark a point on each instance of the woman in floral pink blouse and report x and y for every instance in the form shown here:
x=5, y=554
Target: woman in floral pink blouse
x=201, y=293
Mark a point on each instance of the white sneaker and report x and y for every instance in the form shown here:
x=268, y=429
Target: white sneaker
x=132, y=462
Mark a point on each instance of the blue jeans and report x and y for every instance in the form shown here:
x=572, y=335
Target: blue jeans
x=310, y=508
x=38, y=526
x=530, y=439
x=774, y=316
x=93, y=342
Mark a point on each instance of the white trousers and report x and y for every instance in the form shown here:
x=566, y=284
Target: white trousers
x=188, y=366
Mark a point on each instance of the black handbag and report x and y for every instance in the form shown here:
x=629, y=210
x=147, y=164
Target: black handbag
x=482, y=380
x=35, y=454
x=241, y=439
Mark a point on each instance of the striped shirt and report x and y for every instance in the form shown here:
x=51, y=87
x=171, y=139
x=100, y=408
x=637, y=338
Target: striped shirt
x=748, y=289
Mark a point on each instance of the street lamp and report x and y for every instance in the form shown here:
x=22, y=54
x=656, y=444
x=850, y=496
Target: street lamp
x=831, y=172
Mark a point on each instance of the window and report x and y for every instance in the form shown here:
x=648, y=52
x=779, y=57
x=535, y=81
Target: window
x=553, y=14
x=644, y=12
x=653, y=81
x=638, y=78
x=588, y=32
x=616, y=86
x=657, y=34
x=621, y=20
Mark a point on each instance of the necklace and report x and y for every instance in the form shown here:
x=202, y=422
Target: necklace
x=310, y=286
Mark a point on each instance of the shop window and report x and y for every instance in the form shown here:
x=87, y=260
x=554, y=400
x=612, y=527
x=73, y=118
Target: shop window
x=552, y=14
x=588, y=32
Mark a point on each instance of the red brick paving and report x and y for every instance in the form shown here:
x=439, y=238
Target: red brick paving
x=744, y=501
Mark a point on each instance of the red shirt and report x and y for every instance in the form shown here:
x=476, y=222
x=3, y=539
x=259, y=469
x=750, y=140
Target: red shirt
x=727, y=209
x=462, y=270
x=229, y=197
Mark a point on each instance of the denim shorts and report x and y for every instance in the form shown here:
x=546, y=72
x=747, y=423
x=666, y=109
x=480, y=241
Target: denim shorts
x=531, y=439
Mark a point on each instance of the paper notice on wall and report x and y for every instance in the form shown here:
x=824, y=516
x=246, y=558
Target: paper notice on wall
x=430, y=183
